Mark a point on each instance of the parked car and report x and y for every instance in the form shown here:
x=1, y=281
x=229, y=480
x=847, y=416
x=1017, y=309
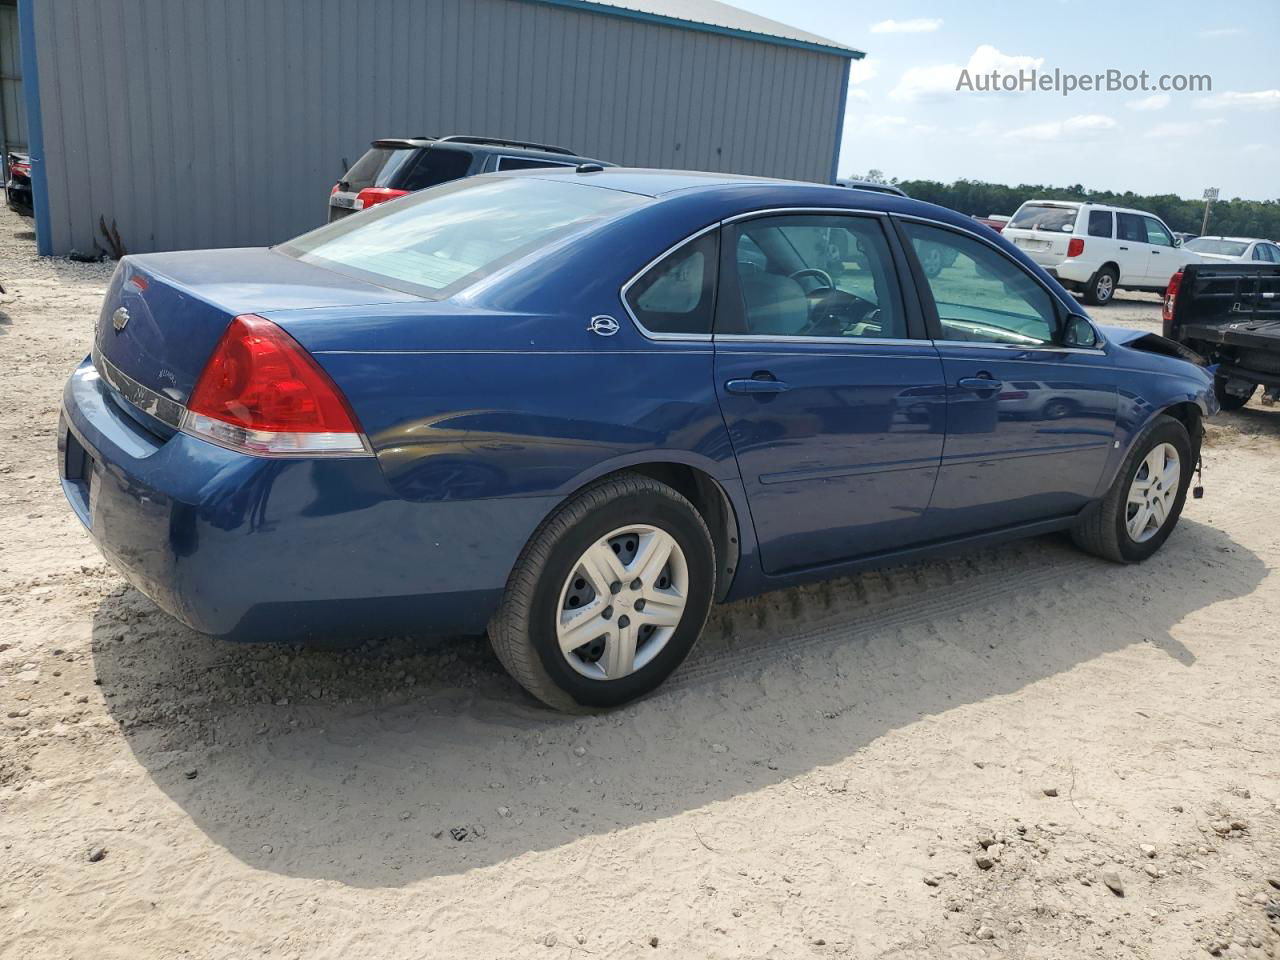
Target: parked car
x=875, y=186
x=1095, y=249
x=995, y=221
x=17, y=185
x=579, y=407
x=1227, y=313
x=394, y=167
x=1234, y=250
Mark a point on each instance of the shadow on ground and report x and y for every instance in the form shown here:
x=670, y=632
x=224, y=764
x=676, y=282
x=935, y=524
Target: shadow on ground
x=380, y=750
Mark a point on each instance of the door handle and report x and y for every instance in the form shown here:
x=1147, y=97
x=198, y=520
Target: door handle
x=1155, y=253
x=1124, y=248
x=979, y=383
x=755, y=385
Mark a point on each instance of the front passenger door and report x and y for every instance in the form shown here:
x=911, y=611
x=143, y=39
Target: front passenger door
x=1030, y=420
x=1161, y=262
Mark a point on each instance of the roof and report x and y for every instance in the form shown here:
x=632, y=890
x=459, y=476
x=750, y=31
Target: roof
x=711, y=16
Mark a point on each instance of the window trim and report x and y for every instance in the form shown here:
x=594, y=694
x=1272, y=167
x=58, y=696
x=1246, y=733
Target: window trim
x=897, y=260
x=929, y=307
x=626, y=288
x=497, y=163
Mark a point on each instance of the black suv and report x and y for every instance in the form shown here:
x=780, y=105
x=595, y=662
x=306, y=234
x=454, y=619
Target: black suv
x=395, y=167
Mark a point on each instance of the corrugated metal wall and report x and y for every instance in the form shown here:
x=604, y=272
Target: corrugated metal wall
x=200, y=123
x=12, y=107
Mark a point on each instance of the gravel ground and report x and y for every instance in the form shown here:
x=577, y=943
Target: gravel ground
x=1022, y=752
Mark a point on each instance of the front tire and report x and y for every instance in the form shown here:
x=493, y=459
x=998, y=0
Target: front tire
x=1101, y=287
x=1142, y=507
x=608, y=597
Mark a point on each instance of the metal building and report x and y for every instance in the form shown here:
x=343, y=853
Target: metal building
x=204, y=123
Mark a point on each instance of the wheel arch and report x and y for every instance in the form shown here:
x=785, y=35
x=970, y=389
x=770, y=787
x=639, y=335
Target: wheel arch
x=700, y=487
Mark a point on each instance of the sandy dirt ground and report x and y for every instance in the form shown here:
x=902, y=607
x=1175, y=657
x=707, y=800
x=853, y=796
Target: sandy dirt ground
x=946, y=760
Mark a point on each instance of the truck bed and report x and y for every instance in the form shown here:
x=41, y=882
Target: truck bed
x=1230, y=314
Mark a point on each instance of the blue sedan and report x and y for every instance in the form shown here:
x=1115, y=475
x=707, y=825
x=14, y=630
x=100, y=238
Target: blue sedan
x=576, y=408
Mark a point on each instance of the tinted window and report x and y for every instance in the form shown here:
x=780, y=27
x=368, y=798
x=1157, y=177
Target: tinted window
x=528, y=163
x=816, y=276
x=1038, y=216
x=1271, y=252
x=377, y=168
x=438, y=241
x=1156, y=233
x=677, y=294
x=984, y=296
x=1258, y=253
x=1129, y=226
x=1100, y=223
x=435, y=165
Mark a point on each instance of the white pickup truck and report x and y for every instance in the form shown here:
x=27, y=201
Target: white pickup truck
x=1095, y=249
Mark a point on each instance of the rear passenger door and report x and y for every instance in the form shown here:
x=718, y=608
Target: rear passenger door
x=833, y=399
x=1030, y=419
x=1131, y=249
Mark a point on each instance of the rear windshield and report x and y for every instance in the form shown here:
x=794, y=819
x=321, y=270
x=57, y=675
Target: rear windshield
x=376, y=168
x=1223, y=248
x=1038, y=216
x=437, y=242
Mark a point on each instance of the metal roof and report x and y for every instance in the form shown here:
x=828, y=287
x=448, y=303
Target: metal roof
x=712, y=17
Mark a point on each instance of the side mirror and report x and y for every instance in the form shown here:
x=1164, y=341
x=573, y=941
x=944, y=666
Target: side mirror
x=1078, y=331
x=1177, y=241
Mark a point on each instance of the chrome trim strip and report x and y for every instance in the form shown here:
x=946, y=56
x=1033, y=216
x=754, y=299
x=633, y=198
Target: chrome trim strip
x=820, y=211
x=1047, y=348
x=622, y=293
x=843, y=341
x=157, y=405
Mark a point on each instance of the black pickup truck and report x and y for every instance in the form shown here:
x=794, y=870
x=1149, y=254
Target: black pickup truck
x=1230, y=315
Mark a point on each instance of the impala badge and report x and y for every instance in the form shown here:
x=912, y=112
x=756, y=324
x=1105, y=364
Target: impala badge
x=120, y=319
x=604, y=326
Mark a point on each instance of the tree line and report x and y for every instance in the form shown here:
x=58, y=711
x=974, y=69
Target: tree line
x=1233, y=218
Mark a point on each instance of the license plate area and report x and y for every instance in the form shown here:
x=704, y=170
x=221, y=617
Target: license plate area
x=344, y=200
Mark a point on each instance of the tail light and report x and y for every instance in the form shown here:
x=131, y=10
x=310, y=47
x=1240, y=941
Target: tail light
x=1075, y=246
x=262, y=393
x=1170, y=300
x=20, y=168
x=335, y=189
x=372, y=196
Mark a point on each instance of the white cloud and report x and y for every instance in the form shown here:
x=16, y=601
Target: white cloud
x=1157, y=101
x=1173, y=131
x=1222, y=32
x=1235, y=100
x=1083, y=127
x=939, y=80
x=918, y=25
x=860, y=71
x=886, y=124
x=859, y=96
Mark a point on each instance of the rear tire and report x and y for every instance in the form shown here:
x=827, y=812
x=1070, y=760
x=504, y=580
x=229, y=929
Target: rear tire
x=1106, y=527
x=1230, y=401
x=1101, y=288
x=552, y=581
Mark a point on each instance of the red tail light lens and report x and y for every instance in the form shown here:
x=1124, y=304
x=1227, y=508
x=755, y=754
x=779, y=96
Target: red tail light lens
x=1170, y=300
x=372, y=196
x=262, y=393
x=1075, y=247
x=335, y=189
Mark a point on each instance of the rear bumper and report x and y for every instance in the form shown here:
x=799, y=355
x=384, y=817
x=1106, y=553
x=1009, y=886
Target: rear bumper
x=253, y=548
x=1070, y=272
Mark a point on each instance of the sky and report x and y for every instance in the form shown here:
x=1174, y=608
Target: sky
x=904, y=116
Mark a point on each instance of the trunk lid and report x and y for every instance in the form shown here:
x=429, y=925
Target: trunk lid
x=165, y=312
